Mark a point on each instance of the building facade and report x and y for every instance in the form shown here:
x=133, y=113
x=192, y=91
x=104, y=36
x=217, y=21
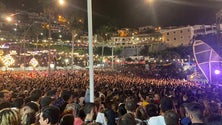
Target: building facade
x=174, y=37
x=184, y=36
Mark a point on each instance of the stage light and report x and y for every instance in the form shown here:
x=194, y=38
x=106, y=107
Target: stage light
x=217, y=72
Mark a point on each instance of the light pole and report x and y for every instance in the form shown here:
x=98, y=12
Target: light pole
x=49, y=50
x=10, y=20
x=112, y=57
x=72, y=54
x=90, y=32
x=61, y=2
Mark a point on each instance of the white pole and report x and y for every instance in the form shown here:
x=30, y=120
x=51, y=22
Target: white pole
x=72, y=63
x=91, y=84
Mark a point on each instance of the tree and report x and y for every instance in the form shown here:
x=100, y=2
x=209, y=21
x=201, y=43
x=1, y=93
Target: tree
x=37, y=30
x=74, y=23
x=117, y=50
x=49, y=11
x=104, y=35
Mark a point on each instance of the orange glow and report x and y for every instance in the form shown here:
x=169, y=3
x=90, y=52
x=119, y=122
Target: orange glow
x=61, y=2
x=9, y=19
x=62, y=19
x=149, y=1
x=123, y=33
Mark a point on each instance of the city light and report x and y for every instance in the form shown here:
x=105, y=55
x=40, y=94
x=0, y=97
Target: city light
x=66, y=61
x=150, y=1
x=9, y=19
x=61, y=2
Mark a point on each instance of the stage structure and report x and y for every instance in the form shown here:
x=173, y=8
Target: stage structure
x=207, y=51
x=208, y=60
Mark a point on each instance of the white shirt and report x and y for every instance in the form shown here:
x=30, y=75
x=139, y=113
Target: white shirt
x=156, y=120
x=101, y=118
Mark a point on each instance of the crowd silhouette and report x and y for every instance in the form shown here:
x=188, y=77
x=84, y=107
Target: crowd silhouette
x=122, y=98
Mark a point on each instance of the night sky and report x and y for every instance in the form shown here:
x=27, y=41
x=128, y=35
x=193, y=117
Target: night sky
x=135, y=13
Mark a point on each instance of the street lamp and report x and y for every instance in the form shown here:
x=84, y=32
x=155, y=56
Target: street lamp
x=112, y=57
x=73, y=38
x=61, y=2
x=9, y=18
x=150, y=1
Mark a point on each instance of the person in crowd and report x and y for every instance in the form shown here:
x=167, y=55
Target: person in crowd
x=45, y=101
x=127, y=119
x=114, y=86
x=27, y=114
x=18, y=103
x=185, y=120
x=35, y=96
x=5, y=95
x=166, y=104
x=76, y=103
x=67, y=119
x=90, y=111
x=110, y=112
x=214, y=108
x=141, y=115
x=100, y=117
x=130, y=105
x=34, y=106
x=49, y=115
x=171, y=118
x=5, y=105
x=28, y=118
x=79, y=117
x=213, y=119
x=9, y=116
x=195, y=112
x=131, y=108
x=151, y=111
x=63, y=100
x=53, y=94
x=121, y=109
x=156, y=99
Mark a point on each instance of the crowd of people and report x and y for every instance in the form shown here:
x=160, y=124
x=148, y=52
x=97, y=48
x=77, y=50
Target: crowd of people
x=121, y=98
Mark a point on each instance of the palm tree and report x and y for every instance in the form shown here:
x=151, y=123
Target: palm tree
x=75, y=26
x=104, y=35
x=35, y=30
